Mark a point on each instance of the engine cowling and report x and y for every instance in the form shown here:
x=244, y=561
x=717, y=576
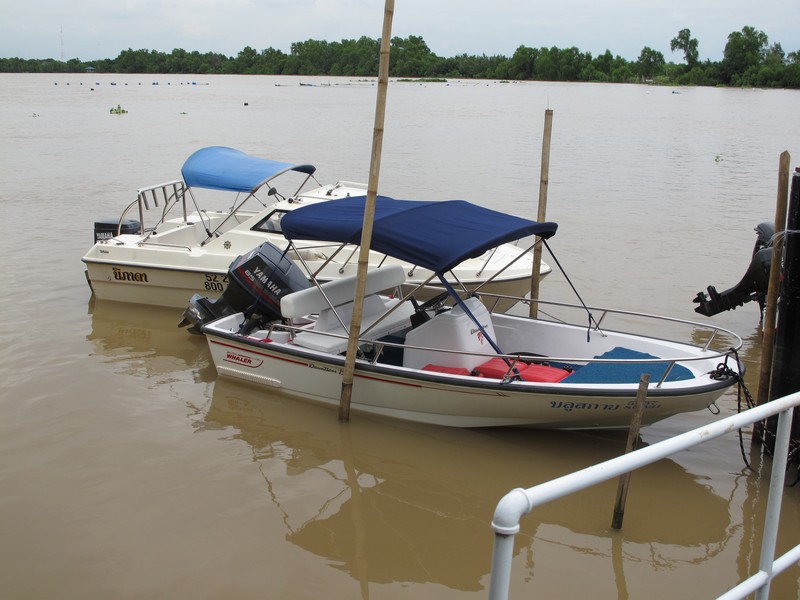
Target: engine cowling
x=256, y=283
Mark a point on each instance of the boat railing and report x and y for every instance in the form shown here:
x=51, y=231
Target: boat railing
x=381, y=344
x=600, y=314
x=161, y=195
x=520, y=502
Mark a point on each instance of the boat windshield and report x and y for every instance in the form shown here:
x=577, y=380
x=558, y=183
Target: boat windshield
x=271, y=223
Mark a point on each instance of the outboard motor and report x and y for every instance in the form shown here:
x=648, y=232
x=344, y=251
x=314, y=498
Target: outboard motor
x=105, y=229
x=753, y=285
x=256, y=283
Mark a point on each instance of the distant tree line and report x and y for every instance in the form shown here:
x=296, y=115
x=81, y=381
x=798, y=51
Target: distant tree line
x=749, y=60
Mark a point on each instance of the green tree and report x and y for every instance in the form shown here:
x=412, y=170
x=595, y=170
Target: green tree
x=523, y=63
x=132, y=61
x=312, y=57
x=357, y=57
x=246, y=60
x=650, y=63
x=411, y=57
x=744, y=49
x=684, y=41
x=546, y=67
x=271, y=62
x=571, y=63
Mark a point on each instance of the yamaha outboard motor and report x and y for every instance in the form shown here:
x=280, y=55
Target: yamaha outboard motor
x=256, y=283
x=753, y=285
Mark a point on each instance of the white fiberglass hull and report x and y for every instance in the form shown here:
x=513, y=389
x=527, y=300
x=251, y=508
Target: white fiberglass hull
x=167, y=267
x=467, y=401
x=124, y=280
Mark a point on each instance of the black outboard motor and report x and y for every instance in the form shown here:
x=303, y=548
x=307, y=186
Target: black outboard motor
x=105, y=229
x=256, y=283
x=753, y=285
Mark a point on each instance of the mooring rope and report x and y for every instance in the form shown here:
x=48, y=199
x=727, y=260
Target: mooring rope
x=780, y=235
x=743, y=396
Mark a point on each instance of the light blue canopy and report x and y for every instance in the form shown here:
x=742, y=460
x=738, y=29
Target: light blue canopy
x=435, y=235
x=228, y=169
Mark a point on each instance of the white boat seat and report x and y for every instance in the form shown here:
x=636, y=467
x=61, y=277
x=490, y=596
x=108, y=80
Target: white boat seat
x=339, y=291
x=374, y=307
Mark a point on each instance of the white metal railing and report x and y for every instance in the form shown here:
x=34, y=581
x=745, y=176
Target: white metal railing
x=165, y=193
x=519, y=502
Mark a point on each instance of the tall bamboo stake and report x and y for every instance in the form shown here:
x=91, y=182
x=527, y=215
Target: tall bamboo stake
x=540, y=215
x=768, y=327
x=630, y=446
x=369, y=215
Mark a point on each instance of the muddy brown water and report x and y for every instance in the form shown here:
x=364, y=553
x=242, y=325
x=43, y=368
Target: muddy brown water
x=129, y=470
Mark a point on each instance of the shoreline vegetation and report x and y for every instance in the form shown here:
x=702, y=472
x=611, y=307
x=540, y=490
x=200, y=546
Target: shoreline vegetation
x=749, y=60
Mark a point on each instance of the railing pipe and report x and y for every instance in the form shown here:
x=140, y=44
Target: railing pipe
x=519, y=502
x=772, y=518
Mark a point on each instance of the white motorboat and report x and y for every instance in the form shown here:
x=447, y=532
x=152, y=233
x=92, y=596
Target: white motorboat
x=188, y=248
x=462, y=366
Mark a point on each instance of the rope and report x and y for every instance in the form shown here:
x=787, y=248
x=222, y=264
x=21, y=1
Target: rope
x=724, y=371
x=780, y=235
x=742, y=393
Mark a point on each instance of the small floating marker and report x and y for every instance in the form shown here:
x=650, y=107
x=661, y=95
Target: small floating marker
x=246, y=103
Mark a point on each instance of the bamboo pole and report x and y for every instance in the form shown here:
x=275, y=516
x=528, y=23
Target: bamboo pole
x=770, y=310
x=633, y=436
x=369, y=214
x=540, y=216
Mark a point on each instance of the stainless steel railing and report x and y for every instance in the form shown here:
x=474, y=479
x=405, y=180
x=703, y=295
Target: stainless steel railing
x=519, y=502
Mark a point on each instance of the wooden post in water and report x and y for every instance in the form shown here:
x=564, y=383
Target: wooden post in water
x=633, y=436
x=540, y=216
x=369, y=215
x=785, y=377
x=768, y=325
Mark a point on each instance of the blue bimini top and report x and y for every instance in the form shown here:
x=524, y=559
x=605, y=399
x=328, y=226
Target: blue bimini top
x=435, y=235
x=221, y=168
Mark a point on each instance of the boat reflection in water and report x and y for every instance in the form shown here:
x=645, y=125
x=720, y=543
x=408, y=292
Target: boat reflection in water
x=134, y=338
x=389, y=502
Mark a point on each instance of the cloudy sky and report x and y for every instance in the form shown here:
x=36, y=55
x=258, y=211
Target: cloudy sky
x=93, y=29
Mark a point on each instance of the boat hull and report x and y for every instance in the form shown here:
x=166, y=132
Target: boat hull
x=173, y=287
x=450, y=400
x=168, y=266
x=153, y=286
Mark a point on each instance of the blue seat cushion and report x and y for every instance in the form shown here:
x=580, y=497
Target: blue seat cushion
x=626, y=372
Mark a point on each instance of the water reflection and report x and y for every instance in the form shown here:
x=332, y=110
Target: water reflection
x=146, y=340
x=354, y=494
x=388, y=502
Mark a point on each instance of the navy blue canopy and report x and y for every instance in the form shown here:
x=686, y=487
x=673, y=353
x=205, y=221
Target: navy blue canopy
x=436, y=235
x=221, y=168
